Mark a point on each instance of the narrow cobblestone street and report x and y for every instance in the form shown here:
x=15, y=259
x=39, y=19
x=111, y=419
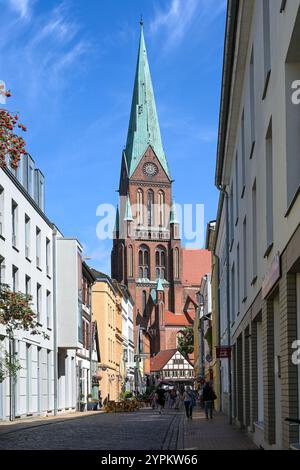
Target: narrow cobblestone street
x=143, y=430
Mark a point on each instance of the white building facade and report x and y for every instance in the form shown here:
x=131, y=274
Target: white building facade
x=258, y=233
x=26, y=243
x=128, y=340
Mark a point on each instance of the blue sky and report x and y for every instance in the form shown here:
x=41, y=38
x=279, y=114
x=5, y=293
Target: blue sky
x=70, y=65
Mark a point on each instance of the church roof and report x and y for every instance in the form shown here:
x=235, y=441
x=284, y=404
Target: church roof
x=195, y=264
x=172, y=319
x=143, y=127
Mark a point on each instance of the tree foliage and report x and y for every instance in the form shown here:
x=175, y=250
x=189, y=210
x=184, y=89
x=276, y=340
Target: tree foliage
x=12, y=145
x=186, y=341
x=15, y=314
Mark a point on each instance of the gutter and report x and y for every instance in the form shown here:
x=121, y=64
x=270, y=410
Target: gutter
x=228, y=61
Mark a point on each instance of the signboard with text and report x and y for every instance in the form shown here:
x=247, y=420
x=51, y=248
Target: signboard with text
x=223, y=352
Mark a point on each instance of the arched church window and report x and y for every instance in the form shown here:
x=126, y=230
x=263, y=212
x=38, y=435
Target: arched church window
x=160, y=261
x=150, y=204
x=176, y=263
x=140, y=203
x=130, y=261
x=144, y=262
x=144, y=303
x=161, y=208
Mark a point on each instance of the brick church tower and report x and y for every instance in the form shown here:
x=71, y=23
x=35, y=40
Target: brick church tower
x=147, y=254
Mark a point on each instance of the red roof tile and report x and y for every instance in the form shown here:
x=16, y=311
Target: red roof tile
x=160, y=360
x=176, y=320
x=196, y=263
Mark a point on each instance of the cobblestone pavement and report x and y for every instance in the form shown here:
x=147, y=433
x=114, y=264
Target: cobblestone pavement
x=145, y=430
x=216, y=434
x=142, y=430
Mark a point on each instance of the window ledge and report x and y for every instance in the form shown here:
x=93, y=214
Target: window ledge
x=39, y=268
x=243, y=192
x=28, y=259
x=254, y=280
x=244, y=300
x=237, y=221
x=16, y=249
x=49, y=277
x=268, y=250
x=2, y=238
x=231, y=244
x=266, y=85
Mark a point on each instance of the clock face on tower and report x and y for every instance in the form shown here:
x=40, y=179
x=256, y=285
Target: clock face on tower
x=150, y=169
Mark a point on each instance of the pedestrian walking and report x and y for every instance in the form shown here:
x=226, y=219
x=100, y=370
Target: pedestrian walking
x=160, y=398
x=100, y=399
x=208, y=397
x=189, y=402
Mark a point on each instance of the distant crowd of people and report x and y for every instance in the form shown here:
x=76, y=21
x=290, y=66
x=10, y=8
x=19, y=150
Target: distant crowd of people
x=163, y=398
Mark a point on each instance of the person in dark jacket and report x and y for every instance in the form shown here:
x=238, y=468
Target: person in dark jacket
x=208, y=397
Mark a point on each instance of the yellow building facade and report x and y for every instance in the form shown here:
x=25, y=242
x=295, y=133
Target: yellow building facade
x=107, y=313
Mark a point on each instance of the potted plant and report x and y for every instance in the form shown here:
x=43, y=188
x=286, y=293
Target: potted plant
x=92, y=404
x=82, y=403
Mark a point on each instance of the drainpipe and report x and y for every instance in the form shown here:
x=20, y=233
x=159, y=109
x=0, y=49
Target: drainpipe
x=55, y=351
x=11, y=380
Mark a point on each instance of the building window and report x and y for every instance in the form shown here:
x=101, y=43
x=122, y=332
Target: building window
x=233, y=293
x=231, y=214
x=144, y=266
x=236, y=187
x=130, y=261
x=252, y=101
x=15, y=275
x=48, y=258
x=254, y=232
x=27, y=286
x=144, y=303
x=140, y=205
x=269, y=186
x=243, y=151
x=267, y=44
x=38, y=301
x=176, y=263
x=245, y=257
x=27, y=236
x=1, y=211
x=150, y=204
x=48, y=309
x=238, y=278
x=161, y=208
x=38, y=247
x=14, y=221
x=160, y=262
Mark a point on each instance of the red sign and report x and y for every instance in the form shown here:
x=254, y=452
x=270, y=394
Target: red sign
x=223, y=352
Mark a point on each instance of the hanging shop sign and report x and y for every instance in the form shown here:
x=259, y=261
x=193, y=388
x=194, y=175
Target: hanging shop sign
x=223, y=352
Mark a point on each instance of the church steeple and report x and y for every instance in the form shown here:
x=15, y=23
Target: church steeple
x=143, y=125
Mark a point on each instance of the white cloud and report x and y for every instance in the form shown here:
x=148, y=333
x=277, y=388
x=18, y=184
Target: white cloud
x=21, y=7
x=177, y=20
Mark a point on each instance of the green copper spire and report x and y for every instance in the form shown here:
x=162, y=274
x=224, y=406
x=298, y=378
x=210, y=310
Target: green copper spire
x=128, y=212
x=159, y=287
x=173, y=214
x=143, y=125
x=117, y=226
